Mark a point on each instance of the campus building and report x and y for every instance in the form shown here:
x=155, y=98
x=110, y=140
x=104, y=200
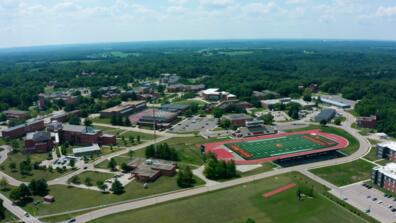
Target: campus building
x=21, y=130
x=326, y=115
x=367, y=122
x=16, y=114
x=213, y=94
x=85, y=135
x=126, y=108
x=177, y=108
x=386, y=150
x=255, y=127
x=169, y=78
x=268, y=104
x=162, y=119
x=238, y=120
x=86, y=151
x=337, y=101
x=148, y=170
x=38, y=142
x=184, y=88
x=385, y=176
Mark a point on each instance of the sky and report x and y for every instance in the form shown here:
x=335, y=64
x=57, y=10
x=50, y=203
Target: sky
x=48, y=22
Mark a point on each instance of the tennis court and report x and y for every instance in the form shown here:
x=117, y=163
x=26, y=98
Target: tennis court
x=269, y=147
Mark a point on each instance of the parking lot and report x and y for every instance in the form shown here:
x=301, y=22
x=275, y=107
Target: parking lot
x=369, y=200
x=194, y=124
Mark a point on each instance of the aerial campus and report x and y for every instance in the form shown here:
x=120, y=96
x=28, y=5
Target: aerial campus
x=197, y=111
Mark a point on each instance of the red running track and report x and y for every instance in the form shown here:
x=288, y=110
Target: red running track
x=222, y=152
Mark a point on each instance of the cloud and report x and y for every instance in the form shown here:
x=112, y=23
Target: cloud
x=296, y=1
x=259, y=8
x=218, y=4
x=177, y=2
x=386, y=11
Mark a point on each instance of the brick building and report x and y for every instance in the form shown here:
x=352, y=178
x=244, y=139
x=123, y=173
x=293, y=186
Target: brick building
x=385, y=176
x=21, y=130
x=16, y=114
x=38, y=142
x=85, y=135
x=148, y=170
x=367, y=122
x=386, y=150
x=238, y=120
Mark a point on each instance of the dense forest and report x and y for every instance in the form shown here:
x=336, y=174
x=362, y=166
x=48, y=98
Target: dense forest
x=360, y=70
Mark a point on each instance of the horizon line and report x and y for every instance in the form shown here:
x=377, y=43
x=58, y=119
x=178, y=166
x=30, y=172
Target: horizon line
x=196, y=40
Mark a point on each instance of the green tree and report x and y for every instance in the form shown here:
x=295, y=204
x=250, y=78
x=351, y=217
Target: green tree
x=117, y=187
x=38, y=187
x=249, y=220
x=112, y=165
x=3, y=184
x=74, y=120
x=75, y=180
x=101, y=185
x=2, y=210
x=268, y=118
x=88, y=181
x=88, y=122
x=185, y=178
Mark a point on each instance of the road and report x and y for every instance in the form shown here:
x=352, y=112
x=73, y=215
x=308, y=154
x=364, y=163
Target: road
x=346, y=125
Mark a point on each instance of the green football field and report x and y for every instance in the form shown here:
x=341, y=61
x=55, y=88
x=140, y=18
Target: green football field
x=264, y=148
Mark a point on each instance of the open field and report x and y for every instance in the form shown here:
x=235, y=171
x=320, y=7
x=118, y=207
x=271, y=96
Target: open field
x=73, y=198
x=118, y=159
x=347, y=173
x=265, y=167
x=101, y=120
x=247, y=202
x=35, y=174
x=94, y=176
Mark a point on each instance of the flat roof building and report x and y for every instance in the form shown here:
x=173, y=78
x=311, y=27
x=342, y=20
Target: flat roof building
x=162, y=119
x=178, y=108
x=367, y=122
x=16, y=114
x=337, y=101
x=385, y=176
x=238, y=120
x=386, y=150
x=86, y=151
x=125, y=108
x=213, y=94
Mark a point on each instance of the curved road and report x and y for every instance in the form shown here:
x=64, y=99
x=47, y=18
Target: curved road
x=363, y=150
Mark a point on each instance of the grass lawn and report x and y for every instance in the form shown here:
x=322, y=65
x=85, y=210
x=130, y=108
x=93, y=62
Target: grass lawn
x=118, y=159
x=383, y=162
x=238, y=203
x=109, y=130
x=372, y=155
x=143, y=136
x=347, y=173
x=353, y=143
x=35, y=174
x=267, y=166
x=95, y=176
x=101, y=120
x=72, y=198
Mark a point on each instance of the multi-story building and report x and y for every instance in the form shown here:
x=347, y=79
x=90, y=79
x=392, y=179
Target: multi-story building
x=161, y=119
x=385, y=176
x=85, y=135
x=367, y=122
x=38, y=142
x=21, y=130
x=16, y=114
x=238, y=120
x=387, y=150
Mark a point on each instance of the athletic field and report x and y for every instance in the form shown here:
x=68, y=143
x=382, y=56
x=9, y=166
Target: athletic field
x=288, y=144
